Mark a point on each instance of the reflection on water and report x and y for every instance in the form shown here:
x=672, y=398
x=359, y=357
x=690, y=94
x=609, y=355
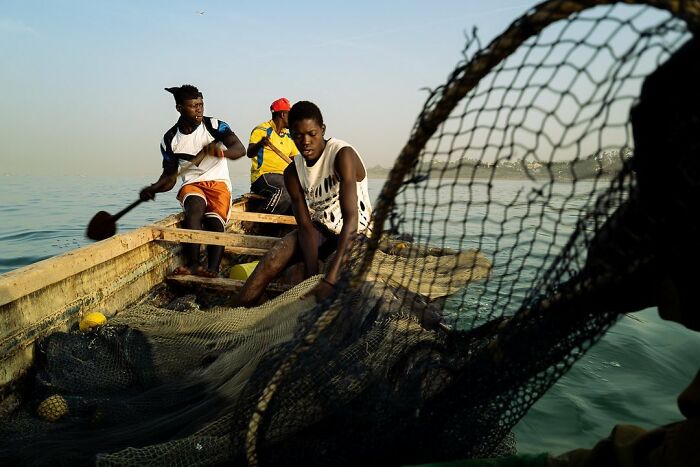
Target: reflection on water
x=42, y=217
x=632, y=375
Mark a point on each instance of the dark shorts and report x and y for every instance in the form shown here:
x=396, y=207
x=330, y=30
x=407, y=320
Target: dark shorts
x=326, y=240
x=271, y=186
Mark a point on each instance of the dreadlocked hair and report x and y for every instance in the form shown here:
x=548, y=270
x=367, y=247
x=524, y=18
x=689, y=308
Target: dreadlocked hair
x=184, y=93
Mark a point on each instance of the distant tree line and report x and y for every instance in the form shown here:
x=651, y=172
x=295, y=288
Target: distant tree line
x=601, y=164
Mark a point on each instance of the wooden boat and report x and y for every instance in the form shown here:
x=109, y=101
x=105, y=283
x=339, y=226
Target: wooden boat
x=107, y=276
x=134, y=267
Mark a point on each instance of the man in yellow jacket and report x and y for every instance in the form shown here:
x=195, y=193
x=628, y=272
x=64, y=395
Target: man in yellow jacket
x=271, y=149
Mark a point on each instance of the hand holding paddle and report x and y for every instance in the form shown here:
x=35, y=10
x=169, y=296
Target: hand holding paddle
x=265, y=141
x=104, y=225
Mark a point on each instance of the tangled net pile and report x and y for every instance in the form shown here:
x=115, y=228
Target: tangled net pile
x=527, y=212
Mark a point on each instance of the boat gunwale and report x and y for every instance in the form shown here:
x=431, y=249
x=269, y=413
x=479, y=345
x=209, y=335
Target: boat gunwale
x=33, y=277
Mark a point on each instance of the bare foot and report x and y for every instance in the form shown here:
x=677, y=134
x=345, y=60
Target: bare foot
x=181, y=271
x=204, y=272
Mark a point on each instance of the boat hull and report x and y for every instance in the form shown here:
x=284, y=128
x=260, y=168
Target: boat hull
x=53, y=294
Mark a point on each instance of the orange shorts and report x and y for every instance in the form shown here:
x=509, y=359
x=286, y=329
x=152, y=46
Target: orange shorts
x=215, y=194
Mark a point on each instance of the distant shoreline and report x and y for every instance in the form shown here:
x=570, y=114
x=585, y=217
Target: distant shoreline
x=601, y=165
x=498, y=174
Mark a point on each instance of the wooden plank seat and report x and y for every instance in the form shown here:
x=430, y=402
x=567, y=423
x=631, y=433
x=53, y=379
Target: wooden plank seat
x=254, y=245
x=241, y=211
x=235, y=243
x=220, y=284
x=263, y=217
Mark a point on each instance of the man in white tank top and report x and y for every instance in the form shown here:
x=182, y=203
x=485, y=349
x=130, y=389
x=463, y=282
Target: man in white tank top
x=331, y=204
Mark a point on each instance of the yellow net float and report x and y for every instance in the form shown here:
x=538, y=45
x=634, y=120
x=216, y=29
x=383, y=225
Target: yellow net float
x=92, y=320
x=52, y=408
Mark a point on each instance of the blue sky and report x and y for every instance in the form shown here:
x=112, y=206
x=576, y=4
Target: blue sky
x=83, y=80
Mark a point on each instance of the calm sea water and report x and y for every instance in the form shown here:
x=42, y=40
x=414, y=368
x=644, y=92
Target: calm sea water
x=632, y=375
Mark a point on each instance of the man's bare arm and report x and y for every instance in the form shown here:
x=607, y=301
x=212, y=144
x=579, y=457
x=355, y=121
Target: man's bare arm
x=306, y=231
x=347, y=164
x=165, y=182
x=234, y=147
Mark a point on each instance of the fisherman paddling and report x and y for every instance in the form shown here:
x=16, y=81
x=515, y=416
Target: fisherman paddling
x=198, y=146
x=271, y=150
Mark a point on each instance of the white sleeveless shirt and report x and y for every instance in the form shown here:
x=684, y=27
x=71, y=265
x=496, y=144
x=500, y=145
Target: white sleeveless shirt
x=321, y=185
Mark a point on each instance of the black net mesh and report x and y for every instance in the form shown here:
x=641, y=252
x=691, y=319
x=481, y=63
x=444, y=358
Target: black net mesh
x=543, y=192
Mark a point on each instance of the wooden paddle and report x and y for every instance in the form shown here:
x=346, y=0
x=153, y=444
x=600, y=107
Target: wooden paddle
x=274, y=149
x=104, y=225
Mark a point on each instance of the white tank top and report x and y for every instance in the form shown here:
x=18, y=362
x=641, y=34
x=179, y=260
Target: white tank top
x=321, y=186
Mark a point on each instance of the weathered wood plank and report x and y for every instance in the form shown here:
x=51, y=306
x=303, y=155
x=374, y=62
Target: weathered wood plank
x=246, y=196
x=241, y=203
x=204, y=237
x=263, y=217
x=239, y=250
x=28, y=279
x=220, y=284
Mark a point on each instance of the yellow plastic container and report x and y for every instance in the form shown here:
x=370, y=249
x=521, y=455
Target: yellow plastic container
x=242, y=271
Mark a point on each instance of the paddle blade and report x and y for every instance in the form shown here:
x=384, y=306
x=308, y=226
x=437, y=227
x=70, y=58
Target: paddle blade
x=101, y=226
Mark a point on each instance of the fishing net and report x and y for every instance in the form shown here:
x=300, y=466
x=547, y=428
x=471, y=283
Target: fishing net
x=543, y=192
